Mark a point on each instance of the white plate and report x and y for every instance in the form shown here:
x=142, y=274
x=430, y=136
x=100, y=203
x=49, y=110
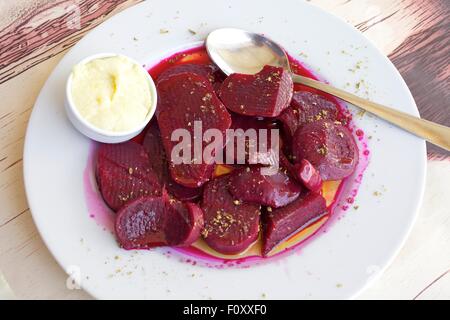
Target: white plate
x=337, y=264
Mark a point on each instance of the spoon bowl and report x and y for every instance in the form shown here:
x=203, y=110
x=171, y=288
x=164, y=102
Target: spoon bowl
x=240, y=51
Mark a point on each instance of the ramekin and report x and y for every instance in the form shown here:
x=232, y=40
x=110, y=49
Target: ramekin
x=95, y=133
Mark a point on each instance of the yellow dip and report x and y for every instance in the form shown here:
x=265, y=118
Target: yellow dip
x=111, y=93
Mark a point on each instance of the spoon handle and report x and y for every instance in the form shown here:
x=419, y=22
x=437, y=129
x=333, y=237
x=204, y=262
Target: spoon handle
x=430, y=131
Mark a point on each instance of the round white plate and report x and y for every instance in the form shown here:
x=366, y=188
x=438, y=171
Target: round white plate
x=337, y=264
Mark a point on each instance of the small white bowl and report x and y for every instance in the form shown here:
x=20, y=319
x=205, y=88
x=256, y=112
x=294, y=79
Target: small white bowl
x=97, y=134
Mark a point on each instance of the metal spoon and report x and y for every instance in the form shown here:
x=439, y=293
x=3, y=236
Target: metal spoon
x=239, y=51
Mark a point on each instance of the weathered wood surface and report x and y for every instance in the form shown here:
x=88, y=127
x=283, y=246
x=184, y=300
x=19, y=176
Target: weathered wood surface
x=34, y=35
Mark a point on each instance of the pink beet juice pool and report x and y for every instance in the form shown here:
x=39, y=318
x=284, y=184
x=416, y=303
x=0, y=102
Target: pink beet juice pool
x=229, y=214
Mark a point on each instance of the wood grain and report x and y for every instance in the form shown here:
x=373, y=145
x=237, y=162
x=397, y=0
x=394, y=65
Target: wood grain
x=423, y=60
x=49, y=30
x=34, y=35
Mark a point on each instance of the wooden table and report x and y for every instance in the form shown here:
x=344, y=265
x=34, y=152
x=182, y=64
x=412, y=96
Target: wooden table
x=35, y=34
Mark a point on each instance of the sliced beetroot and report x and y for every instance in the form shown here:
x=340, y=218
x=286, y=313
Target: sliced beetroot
x=123, y=174
x=264, y=94
x=303, y=172
x=184, y=223
x=254, y=140
x=276, y=190
x=209, y=71
x=307, y=107
x=197, y=223
x=308, y=175
x=183, y=99
x=231, y=226
x=158, y=221
x=158, y=161
x=199, y=69
x=127, y=155
x=280, y=224
x=287, y=166
x=155, y=151
x=181, y=192
x=140, y=223
x=328, y=146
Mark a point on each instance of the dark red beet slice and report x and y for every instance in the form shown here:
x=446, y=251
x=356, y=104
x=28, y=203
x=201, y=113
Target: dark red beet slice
x=264, y=94
x=158, y=221
x=181, y=192
x=155, y=151
x=253, y=140
x=197, y=223
x=158, y=161
x=231, y=226
x=209, y=71
x=303, y=172
x=308, y=175
x=127, y=155
x=184, y=223
x=140, y=224
x=307, y=107
x=183, y=99
x=328, y=146
x=288, y=167
x=280, y=224
x=124, y=174
x=276, y=190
